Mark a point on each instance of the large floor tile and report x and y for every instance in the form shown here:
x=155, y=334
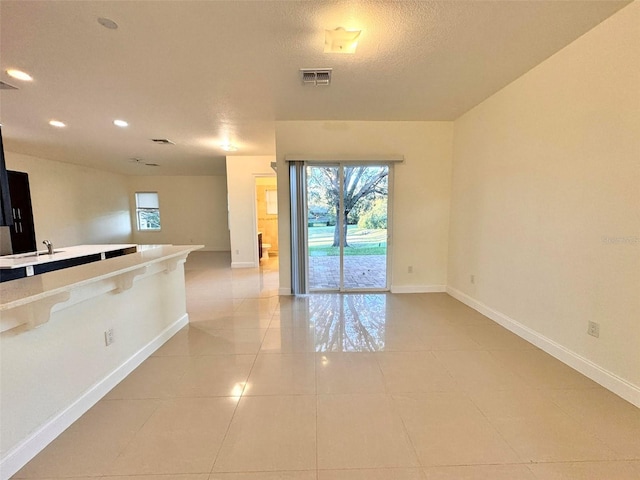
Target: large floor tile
x=283, y=374
x=610, y=418
x=270, y=433
x=308, y=475
x=157, y=377
x=348, y=373
x=233, y=321
x=215, y=376
x=541, y=370
x=514, y=403
x=478, y=369
x=90, y=445
x=587, y=471
x=183, y=436
x=480, y=472
x=551, y=438
x=495, y=337
x=448, y=429
x=184, y=343
x=372, y=474
x=289, y=340
x=226, y=341
x=403, y=339
x=187, y=476
x=414, y=372
x=361, y=431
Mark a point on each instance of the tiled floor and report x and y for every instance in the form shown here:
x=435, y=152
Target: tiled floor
x=353, y=387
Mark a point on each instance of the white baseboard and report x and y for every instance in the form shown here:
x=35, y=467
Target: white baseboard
x=243, y=265
x=18, y=456
x=608, y=380
x=418, y=288
x=284, y=291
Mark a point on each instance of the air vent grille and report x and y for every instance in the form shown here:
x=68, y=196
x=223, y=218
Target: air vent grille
x=7, y=86
x=316, y=76
x=162, y=141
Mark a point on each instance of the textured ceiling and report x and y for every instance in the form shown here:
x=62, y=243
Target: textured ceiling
x=204, y=72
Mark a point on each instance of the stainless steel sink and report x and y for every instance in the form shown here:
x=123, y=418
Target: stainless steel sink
x=42, y=253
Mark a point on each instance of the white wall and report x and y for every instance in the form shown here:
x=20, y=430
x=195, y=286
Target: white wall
x=241, y=185
x=546, y=200
x=193, y=210
x=420, y=196
x=75, y=205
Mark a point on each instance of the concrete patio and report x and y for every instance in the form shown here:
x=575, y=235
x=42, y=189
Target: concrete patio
x=360, y=272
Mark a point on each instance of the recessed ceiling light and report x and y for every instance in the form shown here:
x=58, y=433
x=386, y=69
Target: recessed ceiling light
x=341, y=40
x=108, y=23
x=19, y=75
x=120, y=123
x=57, y=123
x=227, y=147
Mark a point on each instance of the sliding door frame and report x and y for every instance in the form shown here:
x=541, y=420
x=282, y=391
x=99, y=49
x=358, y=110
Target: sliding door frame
x=340, y=218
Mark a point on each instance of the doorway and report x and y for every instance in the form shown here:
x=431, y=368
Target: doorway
x=347, y=227
x=267, y=218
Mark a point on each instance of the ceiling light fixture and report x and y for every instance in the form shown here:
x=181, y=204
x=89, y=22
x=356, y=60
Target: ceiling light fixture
x=227, y=147
x=108, y=23
x=57, y=123
x=341, y=40
x=19, y=75
x=120, y=123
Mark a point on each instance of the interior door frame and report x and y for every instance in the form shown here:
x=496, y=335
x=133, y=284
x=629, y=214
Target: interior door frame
x=340, y=218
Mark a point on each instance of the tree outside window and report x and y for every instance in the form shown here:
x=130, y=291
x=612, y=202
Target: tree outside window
x=148, y=210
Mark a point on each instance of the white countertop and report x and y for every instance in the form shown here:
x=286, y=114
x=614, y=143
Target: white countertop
x=26, y=290
x=64, y=253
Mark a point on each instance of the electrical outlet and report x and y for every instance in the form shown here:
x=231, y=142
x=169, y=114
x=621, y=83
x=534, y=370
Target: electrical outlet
x=594, y=329
x=410, y=269
x=108, y=337
x=472, y=279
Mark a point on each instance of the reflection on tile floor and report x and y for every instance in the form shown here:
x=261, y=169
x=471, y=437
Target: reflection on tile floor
x=343, y=387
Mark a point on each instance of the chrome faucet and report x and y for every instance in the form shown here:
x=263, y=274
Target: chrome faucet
x=49, y=246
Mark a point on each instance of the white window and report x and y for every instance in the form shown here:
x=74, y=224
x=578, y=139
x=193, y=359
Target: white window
x=272, y=202
x=148, y=210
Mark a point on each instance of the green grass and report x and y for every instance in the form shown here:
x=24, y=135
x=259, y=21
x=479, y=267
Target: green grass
x=335, y=251
x=361, y=241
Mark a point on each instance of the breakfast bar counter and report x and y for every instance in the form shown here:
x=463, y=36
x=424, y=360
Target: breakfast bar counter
x=70, y=335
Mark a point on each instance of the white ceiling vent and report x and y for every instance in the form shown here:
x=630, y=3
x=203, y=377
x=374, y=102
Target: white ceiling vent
x=316, y=76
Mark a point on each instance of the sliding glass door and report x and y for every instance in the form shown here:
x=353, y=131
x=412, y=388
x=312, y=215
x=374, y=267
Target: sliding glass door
x=347, y=227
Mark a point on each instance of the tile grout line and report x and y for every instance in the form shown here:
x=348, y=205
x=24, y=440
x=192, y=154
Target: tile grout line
x=226, y=433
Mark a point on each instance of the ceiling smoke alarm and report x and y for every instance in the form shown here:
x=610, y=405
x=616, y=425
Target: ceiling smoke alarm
x=316, y=76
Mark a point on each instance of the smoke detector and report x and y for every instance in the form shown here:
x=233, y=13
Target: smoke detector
x=316, y=76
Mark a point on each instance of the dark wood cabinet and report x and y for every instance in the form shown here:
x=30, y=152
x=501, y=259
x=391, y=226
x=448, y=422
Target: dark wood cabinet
x=6, y=219
x=23, y=232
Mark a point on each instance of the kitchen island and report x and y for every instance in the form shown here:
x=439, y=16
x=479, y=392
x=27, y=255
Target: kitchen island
x=23, y=265
x=69, y=336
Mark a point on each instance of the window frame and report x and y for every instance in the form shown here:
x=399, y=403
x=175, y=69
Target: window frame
x=140, y=210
